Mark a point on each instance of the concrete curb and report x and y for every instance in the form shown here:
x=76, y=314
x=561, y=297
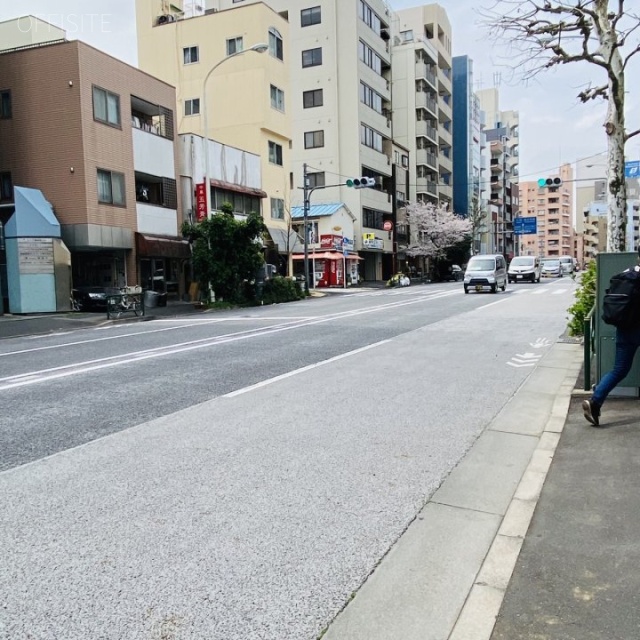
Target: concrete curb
x=478, y=616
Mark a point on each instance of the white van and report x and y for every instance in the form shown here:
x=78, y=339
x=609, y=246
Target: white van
x=525, y=269
x=486, y=272
x=568, y=264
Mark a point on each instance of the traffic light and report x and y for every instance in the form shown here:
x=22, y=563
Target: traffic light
x=549, y=182
x=361, y=183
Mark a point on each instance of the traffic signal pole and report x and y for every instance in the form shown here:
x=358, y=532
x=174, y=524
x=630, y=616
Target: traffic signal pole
x=359, y=183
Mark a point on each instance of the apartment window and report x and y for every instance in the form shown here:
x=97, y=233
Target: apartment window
x=234, y=45
x=372, y=218
x=310, y=16
x=406, y=36
x=370, y=138
x=6, y=186
x=312, y=57
x=190, y=55
x=275, y=153
x=111, y=187
x=313, y=98
x=369, y=16
x=405, y=160
x=316, y=179
x=370, y=97
x=5, y=104
x=192, y=107
x=106, y=106
x=370, y=57
x=277, y=209
x=277, y=98
x=275, y=44
x=161, y=192
x=313, y=139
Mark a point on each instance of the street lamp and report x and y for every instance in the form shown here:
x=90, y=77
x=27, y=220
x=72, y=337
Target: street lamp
x=258, y=48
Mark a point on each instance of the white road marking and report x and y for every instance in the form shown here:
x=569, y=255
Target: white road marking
x=309, y=367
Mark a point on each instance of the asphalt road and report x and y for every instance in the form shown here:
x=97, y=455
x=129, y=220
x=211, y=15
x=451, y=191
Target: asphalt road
x=257, y=464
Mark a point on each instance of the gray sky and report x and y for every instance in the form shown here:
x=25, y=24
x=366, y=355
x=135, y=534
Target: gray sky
x=554, y=126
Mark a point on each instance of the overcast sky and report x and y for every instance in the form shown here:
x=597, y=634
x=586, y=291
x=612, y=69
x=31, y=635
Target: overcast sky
x=554, y=126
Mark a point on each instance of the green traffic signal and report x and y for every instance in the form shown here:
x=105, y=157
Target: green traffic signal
x=350, y=182
x=549, y=182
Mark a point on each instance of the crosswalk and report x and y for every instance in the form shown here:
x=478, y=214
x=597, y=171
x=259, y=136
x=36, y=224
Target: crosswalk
x=421, y=291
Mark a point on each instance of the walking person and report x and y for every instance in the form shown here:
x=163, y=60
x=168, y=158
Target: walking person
x=627, y=343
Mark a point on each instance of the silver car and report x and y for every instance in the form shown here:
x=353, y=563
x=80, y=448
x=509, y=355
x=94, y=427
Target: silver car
x=486, y=272
x=551, y=268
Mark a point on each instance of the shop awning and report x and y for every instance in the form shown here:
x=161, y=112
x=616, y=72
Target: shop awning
x=240, y=188
x=285, y=239
x=162, y=247
x=326, y=255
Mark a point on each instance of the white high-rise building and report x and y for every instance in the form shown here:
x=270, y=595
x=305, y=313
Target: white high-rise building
x=422, y=104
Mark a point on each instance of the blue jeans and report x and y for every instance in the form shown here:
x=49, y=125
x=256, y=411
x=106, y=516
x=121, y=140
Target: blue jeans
x=627, y=343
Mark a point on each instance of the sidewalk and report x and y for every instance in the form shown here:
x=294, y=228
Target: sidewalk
x=13, y=326
x=578, y=575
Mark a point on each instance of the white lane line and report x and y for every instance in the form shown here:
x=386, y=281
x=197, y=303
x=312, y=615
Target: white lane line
x=537, y=292
x=91, y=340
x=241, y=318
x=63, y=371
x=558, y=291
x=295, y=372
x=491, y=304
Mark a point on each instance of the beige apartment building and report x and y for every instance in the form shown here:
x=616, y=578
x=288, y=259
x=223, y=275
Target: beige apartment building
x=338, y=98
x=422, y=99
x=553, y=209
x=97, y=137
x=247, y=97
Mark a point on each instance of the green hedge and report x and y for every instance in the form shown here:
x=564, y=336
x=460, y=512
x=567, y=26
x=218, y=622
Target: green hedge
x=281, y=289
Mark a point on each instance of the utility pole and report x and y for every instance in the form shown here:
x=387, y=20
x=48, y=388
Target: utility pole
x=306, y=195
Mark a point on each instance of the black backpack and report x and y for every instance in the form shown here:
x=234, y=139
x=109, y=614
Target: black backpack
x=621, y=302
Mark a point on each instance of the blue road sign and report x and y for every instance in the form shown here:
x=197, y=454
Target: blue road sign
x=632, y=169
x=524, y=226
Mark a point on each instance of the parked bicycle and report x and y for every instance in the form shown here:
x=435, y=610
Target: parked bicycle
x=127, y=300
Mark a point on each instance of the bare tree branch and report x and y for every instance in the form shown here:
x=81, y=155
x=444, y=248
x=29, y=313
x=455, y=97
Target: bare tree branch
x=548, y=33
x=631, y=135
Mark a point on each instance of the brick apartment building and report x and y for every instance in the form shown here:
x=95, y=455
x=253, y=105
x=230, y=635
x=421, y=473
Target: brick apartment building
x=96, y=136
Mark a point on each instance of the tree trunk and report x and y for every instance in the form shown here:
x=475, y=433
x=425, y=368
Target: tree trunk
x=615, y=129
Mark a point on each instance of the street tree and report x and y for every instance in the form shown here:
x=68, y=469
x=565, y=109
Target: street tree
x=549, y=33
x=226, y=252
x=434, y=230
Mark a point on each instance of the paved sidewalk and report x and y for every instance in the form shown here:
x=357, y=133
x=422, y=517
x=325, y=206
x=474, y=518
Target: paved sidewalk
x=578, y=575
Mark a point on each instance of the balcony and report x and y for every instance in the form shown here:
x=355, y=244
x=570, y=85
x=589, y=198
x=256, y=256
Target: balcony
x=423, y=128
x=424, y=72
x=426, y=185
x=425, y=101
x=426, y=157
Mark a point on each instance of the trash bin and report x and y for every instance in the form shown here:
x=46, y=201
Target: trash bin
x=151, y=299
x=162, y=299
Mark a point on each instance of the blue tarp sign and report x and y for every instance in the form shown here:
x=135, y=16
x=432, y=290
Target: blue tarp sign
x=632, y=169
x=524, y=226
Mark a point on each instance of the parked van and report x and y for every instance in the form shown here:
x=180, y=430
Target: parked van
x=486, y=272
x=568, y=264
x=525, y=269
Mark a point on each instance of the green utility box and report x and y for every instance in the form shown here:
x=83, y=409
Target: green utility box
x=608, y=264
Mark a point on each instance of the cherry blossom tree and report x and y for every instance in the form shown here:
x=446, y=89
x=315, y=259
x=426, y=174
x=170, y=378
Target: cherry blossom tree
x=549, y=33
x=434, y=230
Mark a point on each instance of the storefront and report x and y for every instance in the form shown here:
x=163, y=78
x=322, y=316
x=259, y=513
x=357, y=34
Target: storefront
x=163, y=264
